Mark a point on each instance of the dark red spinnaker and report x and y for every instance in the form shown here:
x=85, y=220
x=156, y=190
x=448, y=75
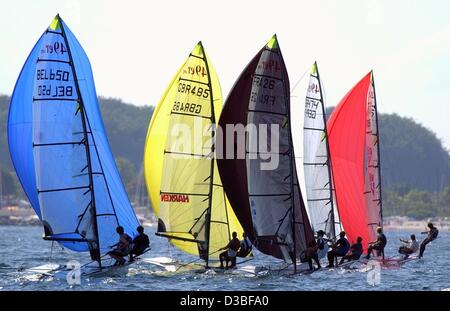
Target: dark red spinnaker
x=268, y=203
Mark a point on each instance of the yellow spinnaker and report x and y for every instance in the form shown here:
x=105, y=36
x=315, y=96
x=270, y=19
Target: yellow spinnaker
x=178, y=161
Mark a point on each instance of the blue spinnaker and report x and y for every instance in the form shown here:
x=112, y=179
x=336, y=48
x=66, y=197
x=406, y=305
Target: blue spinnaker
x=60, y=150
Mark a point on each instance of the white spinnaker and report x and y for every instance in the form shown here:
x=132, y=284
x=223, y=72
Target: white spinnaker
x=318, y=174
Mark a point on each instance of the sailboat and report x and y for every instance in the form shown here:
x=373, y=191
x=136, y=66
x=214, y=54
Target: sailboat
x=353, y=138
x=60, y=151
x=322, y=210
x=267, y=202
x=181, y=174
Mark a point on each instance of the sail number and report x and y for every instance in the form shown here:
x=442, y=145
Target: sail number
x=194, y=90
x=58, y=75
x=313, y=88
x=57, y=48
x=311, y=108
x=263, y=99
x=186, y=107
x=197, y=70
x=263, y=82
x=58, y=91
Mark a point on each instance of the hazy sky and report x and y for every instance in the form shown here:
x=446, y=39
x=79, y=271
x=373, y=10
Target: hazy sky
x=135, y=47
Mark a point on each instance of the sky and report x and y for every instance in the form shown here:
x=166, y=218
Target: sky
x=135, y=47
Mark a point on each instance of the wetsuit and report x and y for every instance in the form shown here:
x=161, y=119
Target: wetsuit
x=432, y=235
x=342, y=247
x=323, y=247
x=230, y=254
x=311, y=254
x=357, y=250
x=245, y=248
x=140, y=244
x=123, y=248
x=411, y=248
x=378, y=245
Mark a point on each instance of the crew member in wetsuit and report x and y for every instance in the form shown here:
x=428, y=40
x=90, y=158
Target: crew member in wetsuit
x=322, y=244
x=230, y=253
x=311, y=254
x=339, y=249
x=432, y=235
x=410, y=246
x=122, y=248
x=246, y=246
x=379, y=244
x=356, y=251
x=140, y=243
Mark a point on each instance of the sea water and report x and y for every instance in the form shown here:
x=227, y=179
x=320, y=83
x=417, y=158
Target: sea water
x=22, y=247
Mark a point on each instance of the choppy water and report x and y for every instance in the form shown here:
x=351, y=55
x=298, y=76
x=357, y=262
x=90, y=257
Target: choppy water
x=24, y=247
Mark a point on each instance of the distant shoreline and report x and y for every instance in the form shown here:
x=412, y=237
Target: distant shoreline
x=406, y=224
x=34, y=221
x=395, y=223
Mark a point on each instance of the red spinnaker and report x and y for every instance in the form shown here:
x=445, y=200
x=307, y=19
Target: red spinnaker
x=347, y=141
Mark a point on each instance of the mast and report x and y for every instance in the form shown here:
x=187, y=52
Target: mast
x=226, y=213
x=95, y=253
x=330, y=176
x=211, y=175
x=378, y=151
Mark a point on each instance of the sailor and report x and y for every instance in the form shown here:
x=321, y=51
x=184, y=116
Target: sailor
x=230, y=253
x=245, y=246
x=411, y=247
x=379, y=244
x=122, y=248
x=140, y=243
x=356, y=251
x=322, y=244
x=339, y=249
x=432, y=235
x=311, y=254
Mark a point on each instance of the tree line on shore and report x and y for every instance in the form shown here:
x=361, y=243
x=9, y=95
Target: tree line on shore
x=415, y=165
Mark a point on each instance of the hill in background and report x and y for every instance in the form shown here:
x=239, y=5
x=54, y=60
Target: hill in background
x=415, y=165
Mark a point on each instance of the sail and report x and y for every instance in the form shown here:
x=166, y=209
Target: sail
x=59, y=148
x=317, y=165
x=372, y=165
x=353, y=146
x=193, y=210
x=155, y=142
x=268, y=203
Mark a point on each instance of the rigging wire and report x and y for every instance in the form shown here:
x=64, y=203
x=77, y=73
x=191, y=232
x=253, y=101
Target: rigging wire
x=299, y=80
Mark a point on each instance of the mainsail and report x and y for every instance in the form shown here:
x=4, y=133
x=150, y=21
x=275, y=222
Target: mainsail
x=193, y=210
x=59, y=148
x=317, y=163
x=354, y=146
x=267, y=202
